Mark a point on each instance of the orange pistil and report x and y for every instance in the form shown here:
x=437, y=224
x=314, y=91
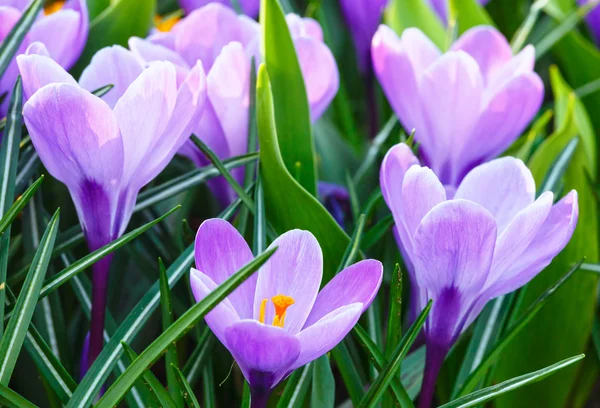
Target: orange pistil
x=281, y=303
x=54, y=7
x=165, y=24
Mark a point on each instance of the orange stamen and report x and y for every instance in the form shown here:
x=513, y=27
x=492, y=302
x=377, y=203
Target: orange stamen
x=54, y=7
x=165, y=24
x=281, y=303
x=262, y=310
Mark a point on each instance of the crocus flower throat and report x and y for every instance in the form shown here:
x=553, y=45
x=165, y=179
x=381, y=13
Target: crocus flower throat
x=54, y=7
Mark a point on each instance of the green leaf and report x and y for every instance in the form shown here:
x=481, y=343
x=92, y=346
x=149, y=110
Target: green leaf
x=184, y=324
x=186, y=390
x=292, y=115
x=369, y=163
x=120, y=20
x=171, y=358
x=323, y=384
x=520, y=36
x=151, y=381
x=490, y=393
x=16, y=208
x=571, y=310
x=199, y=356
x=377, y=231
x=552, y=180
x=394, y=327
x=348, y=371
x=260, y=223
x=401, y=14
x=9, y=157
x=379, y=361
x=469, y=13
x=11, y=43
x=296, y=388
x=16, y=331
x=353, y=249
x=388, y=372
x=10, y=399
x=283, y=193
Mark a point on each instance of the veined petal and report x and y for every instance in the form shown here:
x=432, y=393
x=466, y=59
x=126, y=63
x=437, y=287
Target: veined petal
x=503, y=186
x=113, y=65
x=327, y=332
x=38, y=70
x=295, y=270
x=320, y=72
x=149, y=52
x=143, y=114
x=220, y=252
x=264, y=353
x=357, y=283
x=520, y=64
x=223, y=315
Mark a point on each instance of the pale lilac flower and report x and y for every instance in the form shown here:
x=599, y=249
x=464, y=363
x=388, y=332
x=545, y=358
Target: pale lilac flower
x=463, y=249
x=225, y=43
x=277, y=320
x=62, y=28
x=106, y=150
x=467, y=105
x=363, y=17
x=249, y=7
x=441, y=7
x=592, y=19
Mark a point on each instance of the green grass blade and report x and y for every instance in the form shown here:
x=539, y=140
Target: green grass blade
x=199, y=356
x=552, y=181
x=184, y=324
x=377, y=231
x=391, y=368
x=260, y=222
x=478, y=374
x=349, y=372
x=520, y=36
x=103, y=90
x=186, y=390
x=323, y=384
x=10, y=399
x=369, y=163
x=10, y=45
x=171, y=358
x=152, y=382
x=490, y=393
x=394, y=334
x=353, y=249
x=16, y=331
x=18, y=205
x=296, y=388
x=208, y=385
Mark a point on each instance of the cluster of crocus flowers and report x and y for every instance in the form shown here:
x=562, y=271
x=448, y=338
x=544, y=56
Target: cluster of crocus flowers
x=248, y=7
x=488, y=238
x=226, y=44
x=106, y=149
x=277, y=320
x=467, y=105
x=62, y=28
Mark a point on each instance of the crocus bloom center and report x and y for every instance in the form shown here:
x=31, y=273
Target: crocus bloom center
x=54, y=7
x=165, y=24
x=281, y=303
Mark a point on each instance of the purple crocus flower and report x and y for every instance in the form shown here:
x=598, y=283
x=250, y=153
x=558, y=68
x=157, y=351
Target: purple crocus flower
x=63, y=29
x=277, y=320
x=592, y=19
x=225, y=43
x=106, y=150
x=441, y=7
x=363, y=17
x=336, y=200
x=488, y=238
x=249, y=7
x=467, y=105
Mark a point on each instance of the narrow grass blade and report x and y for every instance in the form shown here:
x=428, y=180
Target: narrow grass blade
x=13, y=338
x=199, y=356
x=10, y=399
x=186, y=390
x=353, y=248
x=171, y=358
x=208, y=384
x=394, y=334
x=490, y=393
x=10, y=44
x=350, y=375
x=18, y=205
x=391, y=368
x=296, y=388
x=184, y=324
x=152, y=382
x=377, y=231
x=103, y=90
x=370, y=160
x=524, y=30
x=559, y=167
x=260, y=222
x=478, y=374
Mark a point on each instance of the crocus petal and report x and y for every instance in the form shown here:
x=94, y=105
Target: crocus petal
x=320, y=72
x=38, y=70
x=111, y=66
x=451, y=94
x=220, y=252
x=8, y=17
x=249, y=7
x=264, y=353
x=358, y=283
x=503, y=186
x=551, y=238
x=487, y=46
x=78, y=43
x=58, y=32
x=37, y=48
x=520, y=64
x=149, y=52
x=304, y=27
x=77, y=137
x=325, y=334
x=295, y=270
x=223, y=314
x=143, y=114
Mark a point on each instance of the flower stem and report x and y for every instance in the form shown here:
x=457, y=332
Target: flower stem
x=99, y=291
x=259, y=398
x=433, y=364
